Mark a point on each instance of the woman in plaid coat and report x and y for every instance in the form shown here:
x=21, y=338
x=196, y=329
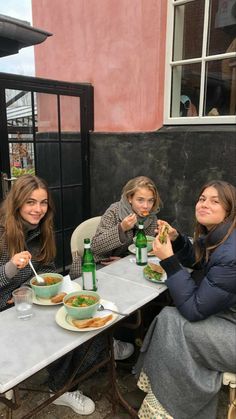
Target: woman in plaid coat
x=140, y=201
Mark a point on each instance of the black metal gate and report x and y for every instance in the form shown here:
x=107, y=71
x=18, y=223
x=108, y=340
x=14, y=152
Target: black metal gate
x=44, y=129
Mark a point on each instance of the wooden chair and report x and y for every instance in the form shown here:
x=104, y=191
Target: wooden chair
x=229, y=379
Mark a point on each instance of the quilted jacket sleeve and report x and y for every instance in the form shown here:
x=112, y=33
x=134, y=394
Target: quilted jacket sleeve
x=217, y=290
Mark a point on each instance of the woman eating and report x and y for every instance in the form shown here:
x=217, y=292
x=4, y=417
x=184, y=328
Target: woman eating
x=26, y=232
x=139, y=201
x=188, y=347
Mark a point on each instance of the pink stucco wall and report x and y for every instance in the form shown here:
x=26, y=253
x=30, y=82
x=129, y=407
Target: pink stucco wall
x=118, y=46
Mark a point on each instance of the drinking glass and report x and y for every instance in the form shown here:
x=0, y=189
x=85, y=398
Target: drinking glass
x=23, y=299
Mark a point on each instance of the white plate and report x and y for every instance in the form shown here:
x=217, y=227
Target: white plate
x=163, y=277
x=162, y=281
x=132, y=249
x=67, y=286
x=65, y=321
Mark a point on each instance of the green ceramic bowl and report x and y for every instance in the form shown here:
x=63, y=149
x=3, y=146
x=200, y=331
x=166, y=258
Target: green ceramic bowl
x=149, y=242
x=81, y=312
x=47, y=291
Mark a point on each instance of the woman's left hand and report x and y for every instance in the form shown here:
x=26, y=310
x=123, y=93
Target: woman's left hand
x=162, y=251
x=109, y=260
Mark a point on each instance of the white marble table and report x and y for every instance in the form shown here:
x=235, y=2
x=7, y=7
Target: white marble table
x=27, y=346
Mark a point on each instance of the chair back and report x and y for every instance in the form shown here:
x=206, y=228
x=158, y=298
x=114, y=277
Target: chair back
x=87, y=229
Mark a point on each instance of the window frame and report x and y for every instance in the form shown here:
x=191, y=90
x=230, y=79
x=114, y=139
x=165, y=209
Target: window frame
x=170, y=64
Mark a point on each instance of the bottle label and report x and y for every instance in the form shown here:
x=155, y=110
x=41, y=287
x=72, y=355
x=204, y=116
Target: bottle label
x=141, y=255
x=89, y=281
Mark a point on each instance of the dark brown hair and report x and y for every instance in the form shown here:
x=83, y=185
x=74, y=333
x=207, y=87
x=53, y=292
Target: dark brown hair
x=227, y=198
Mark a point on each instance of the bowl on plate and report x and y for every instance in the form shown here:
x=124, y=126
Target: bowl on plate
x=149, y=242
x=51, y=286
x=81, y=304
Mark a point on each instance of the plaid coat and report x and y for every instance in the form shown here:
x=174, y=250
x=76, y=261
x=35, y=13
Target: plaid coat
x=109, y=240
x=7, y=285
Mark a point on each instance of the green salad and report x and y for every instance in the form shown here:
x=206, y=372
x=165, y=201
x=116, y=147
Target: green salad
x=152, y=274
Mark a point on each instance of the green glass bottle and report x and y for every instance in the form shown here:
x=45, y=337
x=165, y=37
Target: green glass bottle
x=141, y=246
x=88, y=268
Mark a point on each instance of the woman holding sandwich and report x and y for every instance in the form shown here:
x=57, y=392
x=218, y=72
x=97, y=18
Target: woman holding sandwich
x=188, y=347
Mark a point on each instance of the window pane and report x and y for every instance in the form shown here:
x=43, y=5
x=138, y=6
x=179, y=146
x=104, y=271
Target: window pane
x=220, y=87
x=185, y=90
x=47, y=138
x=20, y=132
x=71, y=140
x=47, y=114
x=70, y=113
x=222, y=28
x=188, y=30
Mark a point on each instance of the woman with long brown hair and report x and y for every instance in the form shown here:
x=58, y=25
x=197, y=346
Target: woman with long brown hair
x=26, y=232
x=188, y=347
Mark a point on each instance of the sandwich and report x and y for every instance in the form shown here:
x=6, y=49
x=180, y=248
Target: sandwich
x=163, y=233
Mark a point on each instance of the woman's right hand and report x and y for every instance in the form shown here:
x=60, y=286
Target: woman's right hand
x=21, y=259
x=172, y=232
x=128, y=222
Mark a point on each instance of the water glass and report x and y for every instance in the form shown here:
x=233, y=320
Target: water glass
x=23, y=299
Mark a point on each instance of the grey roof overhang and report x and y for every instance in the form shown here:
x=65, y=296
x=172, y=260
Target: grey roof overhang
x=16, y=34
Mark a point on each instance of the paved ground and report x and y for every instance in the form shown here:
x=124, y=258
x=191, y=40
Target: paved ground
x=94, y=387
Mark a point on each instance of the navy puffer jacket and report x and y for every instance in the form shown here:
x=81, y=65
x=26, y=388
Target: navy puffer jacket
x=217, y=288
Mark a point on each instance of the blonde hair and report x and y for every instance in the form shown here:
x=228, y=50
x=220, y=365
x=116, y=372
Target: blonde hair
x=12, y=222
x=142, y=182
x=227, y=198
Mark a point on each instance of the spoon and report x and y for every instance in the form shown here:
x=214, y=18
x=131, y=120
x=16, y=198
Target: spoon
x=101, y=308
x=39, y=279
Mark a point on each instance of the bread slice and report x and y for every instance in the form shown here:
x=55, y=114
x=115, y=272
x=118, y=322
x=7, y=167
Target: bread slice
x=93, y=322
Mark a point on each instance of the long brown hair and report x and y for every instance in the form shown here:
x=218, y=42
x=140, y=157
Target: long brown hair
x=12, y=222
x=142, y=182
x=227, y=198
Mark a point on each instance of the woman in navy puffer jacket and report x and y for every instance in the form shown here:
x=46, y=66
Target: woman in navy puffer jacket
x=188, y=347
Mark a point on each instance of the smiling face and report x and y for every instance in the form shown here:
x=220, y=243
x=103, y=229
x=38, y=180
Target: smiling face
x=142, y=201
x=209, y=210
x=35, y=207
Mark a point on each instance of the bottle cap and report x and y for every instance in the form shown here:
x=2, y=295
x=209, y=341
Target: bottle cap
x=86, y=241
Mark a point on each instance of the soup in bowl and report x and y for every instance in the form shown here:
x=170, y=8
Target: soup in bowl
x=50, y=287
x=81, y=304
